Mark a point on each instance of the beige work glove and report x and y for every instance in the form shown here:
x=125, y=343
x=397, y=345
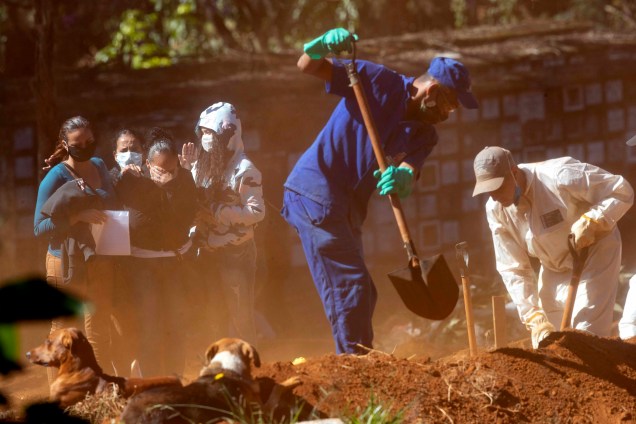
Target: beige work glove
x=588, y=230
x=539, y=327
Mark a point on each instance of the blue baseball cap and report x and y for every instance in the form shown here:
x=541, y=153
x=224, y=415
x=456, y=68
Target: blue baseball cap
x=453, y=74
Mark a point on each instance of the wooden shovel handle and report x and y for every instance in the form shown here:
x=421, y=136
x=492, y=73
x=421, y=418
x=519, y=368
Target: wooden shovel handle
x=578, y=263
x=569, y=304
x=470, y=322
x=379, y=155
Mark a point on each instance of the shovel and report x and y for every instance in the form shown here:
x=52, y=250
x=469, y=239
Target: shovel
x=578, y=263
x=426, y=286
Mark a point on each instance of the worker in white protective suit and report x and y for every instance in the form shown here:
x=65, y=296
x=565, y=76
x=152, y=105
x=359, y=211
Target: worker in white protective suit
x=627, y=324
x=531, y=211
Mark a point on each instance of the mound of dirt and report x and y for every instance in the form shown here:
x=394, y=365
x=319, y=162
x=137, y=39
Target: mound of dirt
x=573, y=378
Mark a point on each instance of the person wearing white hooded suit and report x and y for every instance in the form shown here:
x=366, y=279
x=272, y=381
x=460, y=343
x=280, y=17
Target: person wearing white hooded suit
x=627, y=323
x=231, y=205
x=531, y=211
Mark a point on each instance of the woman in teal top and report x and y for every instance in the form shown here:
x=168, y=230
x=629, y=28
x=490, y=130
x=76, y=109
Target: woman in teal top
x=73, y=158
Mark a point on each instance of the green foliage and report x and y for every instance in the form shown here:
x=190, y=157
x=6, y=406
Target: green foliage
x=501, y=12
x=153, y=39
x=9, y=341
x=617, y=14
x=458, y=7
x=150, y=33
x=176, y=29
x=375, y=413
x=137, y=43
x=8, y=349
x=347, y=12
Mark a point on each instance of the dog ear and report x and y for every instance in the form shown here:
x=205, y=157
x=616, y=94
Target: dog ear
x=249, y=351
x=212, y=350
x=67, y=338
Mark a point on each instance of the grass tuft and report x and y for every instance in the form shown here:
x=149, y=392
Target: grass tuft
x=375, y=413
x=99, y=407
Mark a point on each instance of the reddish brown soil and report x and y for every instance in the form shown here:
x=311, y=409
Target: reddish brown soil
x=573, y=378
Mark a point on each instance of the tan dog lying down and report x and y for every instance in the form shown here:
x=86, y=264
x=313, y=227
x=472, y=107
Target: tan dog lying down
x=79, y=373
x=224, y=382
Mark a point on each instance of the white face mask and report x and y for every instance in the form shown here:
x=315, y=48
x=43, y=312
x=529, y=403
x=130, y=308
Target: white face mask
x=207, y=141
x=128, y=158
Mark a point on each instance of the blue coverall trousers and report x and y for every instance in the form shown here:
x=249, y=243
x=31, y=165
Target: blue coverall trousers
x=333, y=247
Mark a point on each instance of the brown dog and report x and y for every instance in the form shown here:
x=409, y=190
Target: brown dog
x=224, y=382
x=79, y=373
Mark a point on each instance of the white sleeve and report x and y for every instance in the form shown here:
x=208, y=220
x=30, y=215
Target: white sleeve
x=251, y=210
x=609, y=196
x=513, y=264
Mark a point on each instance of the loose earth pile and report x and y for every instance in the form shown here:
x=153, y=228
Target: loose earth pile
x=573, y=378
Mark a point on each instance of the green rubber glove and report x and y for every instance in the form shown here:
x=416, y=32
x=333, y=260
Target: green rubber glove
x=333, y=41
x=394, y=180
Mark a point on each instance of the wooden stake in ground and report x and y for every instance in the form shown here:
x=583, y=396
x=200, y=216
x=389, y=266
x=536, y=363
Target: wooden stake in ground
x=499, y=320
x=461, y=252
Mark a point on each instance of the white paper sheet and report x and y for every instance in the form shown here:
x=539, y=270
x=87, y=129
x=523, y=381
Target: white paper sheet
x=112, y=237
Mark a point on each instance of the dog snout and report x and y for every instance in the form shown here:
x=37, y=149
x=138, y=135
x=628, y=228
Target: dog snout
x=28, y=355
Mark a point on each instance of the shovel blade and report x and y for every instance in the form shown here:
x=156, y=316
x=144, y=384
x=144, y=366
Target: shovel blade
x=429, y=290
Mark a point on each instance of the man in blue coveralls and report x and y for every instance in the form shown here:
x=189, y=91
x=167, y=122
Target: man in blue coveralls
x=327, y=192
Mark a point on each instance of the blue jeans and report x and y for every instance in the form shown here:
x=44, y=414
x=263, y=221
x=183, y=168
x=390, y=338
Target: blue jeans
x=333, y=248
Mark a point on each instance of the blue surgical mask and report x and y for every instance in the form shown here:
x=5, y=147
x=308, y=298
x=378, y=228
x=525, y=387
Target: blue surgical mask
x=128, y=158
x=517, y=195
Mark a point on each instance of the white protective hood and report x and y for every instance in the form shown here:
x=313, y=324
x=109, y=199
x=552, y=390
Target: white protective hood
x=222, y=119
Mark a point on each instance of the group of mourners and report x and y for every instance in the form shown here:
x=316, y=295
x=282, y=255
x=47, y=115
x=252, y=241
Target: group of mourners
x=191, y=212
x=204, y=202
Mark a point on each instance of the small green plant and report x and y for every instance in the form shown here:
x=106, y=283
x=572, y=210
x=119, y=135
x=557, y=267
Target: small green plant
x=239, y=411
x=242, y=413
x=375, y=413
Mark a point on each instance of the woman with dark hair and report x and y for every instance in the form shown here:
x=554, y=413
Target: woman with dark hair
x=161, y=202
x=73, y=159
x=231, y=198
x=128, y=149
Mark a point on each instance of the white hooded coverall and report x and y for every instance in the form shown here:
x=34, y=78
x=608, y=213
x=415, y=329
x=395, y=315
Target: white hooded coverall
x=558, y=192
x=627, y=324
x=226, y=234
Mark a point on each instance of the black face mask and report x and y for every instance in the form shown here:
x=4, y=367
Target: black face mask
x=82, y=154
x=430, y=114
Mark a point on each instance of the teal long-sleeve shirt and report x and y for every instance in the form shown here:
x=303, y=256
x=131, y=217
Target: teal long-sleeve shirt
x=57, y=176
